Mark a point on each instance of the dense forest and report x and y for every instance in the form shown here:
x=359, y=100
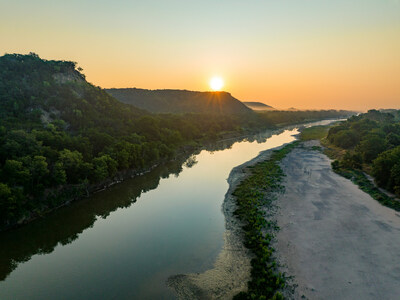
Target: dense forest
x=372, y=143
x=60, y=137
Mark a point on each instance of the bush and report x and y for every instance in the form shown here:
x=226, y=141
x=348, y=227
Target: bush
x=252, y=195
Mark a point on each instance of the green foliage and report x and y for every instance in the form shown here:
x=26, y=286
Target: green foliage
x=252, y=195
x=75, y=167
x=344, y=139
x=59, y=175
x=59, y=135
x=376, y=148
x=386, y=169
x=39, y=171
x=15, y=172
x=314, y=133
x=351, y=160
x=104, y=167
x=370, y=147
x=7, y=202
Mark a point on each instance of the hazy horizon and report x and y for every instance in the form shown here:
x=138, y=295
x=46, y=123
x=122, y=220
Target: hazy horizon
x=302, y=54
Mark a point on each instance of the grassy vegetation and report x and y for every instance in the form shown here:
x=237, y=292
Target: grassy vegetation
x=253, y=194
x=314, y=133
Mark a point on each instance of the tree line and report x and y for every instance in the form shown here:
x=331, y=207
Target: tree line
x=372, y=143
x=60, y=135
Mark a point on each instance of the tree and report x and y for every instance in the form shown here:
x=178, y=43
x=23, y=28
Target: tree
x=382, y=167
x=59, y=175
x=100, y=169
x=39, y=168
x=393, y=139
x=20, y=143
x=7, y=203
x=103, y=167
x=346, y=139
x=395, y=178
x=15, y=173
x=351, y=160
x=74, y=166
x=371, y=146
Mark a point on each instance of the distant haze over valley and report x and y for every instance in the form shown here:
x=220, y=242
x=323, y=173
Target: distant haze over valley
x=158, y=149
x=180, y=101
x=258, y=105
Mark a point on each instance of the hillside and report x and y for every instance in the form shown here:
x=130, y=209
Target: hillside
x=258, y=106
x=35, y=92
x=60, y=136
x=180, y=101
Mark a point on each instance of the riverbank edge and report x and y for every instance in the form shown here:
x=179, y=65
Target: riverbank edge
x=359, y=177
x=66, y=195
x=232, y=269
x=297, y=285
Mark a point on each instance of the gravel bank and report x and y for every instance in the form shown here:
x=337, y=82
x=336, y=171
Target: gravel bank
x=335, y=240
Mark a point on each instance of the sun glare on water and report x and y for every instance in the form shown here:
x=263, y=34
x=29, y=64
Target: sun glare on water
x=216, y=83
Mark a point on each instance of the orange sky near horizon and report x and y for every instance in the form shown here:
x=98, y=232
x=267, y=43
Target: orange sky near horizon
x=303, y=54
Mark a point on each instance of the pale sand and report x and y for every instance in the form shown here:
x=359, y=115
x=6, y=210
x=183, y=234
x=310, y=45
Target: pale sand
x=231, y=270
x=335, y=240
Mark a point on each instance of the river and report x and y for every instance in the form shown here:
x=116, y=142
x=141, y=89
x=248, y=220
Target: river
x=123, y=243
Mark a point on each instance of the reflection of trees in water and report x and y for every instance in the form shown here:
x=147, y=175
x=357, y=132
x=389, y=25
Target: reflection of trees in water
x=228, y=143
x=64, y=225
x=190, y=162
x=262, y=137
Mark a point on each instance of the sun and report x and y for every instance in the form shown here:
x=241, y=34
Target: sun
x=216, y=83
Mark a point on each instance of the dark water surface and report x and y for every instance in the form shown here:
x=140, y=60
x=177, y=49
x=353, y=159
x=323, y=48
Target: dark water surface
x=123, y=243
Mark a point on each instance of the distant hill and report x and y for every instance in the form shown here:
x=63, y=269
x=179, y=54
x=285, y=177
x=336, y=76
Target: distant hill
x=180, y=101
x=258, y=106
x=62, y=138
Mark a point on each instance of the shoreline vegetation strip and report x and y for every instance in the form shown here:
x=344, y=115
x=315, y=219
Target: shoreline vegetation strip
x=359, y=179
x=255, y=193
x=356, y=175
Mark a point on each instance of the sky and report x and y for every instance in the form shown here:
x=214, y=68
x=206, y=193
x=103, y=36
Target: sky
x=307, y=54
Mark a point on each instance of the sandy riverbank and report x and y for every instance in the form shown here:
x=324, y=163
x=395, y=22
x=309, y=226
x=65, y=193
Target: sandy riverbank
x=335, y=240
x=231, y=270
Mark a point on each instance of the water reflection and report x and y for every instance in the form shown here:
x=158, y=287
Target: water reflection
x=175, y=228
x=64, y=225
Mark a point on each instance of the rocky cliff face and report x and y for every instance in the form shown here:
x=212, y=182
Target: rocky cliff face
x=67, y=77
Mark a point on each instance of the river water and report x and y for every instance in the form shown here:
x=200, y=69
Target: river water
x=123, y=243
